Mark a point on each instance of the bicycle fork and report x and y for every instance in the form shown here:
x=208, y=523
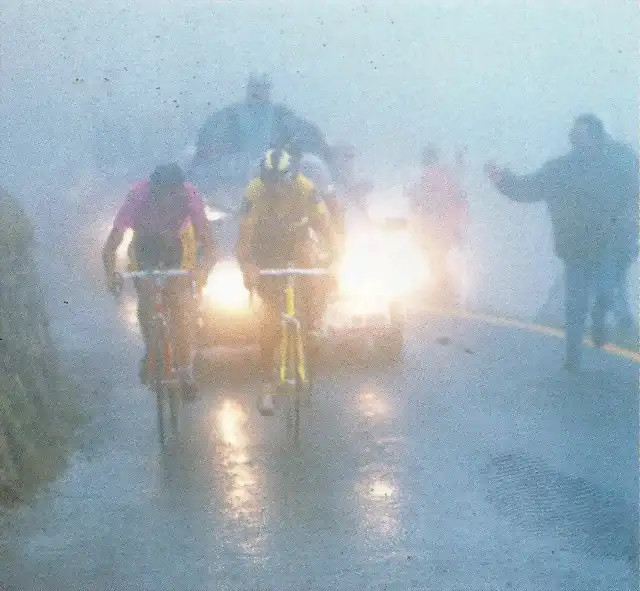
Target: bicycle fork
x=289, y=341
x=166, y=352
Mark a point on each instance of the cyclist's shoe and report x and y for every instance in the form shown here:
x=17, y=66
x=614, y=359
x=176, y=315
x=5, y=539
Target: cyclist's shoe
x=266, y=402
x=189, y=385
x=316, y=329
x=627, y=335
x=143, y=372
x=599, y=334
x=572, y=366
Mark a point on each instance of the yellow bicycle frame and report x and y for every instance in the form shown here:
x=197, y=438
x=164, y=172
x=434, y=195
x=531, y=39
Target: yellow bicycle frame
x=286, y=344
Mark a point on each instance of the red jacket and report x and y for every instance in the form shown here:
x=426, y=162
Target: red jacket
x=439, y=202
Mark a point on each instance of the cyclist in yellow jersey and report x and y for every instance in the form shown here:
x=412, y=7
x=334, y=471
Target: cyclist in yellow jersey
x=280, y=208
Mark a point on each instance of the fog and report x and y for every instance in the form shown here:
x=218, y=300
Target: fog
x=502, y=77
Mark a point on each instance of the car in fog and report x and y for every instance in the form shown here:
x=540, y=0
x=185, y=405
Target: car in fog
x=227, y=312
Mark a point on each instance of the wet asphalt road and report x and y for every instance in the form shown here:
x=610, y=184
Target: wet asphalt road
x=475, y=464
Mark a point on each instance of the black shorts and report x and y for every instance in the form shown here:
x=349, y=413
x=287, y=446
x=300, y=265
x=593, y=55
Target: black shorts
x=155, y=251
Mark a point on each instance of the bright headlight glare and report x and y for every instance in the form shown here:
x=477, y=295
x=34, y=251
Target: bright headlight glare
x=213, y=214
x=225, y=287
x=383, y=266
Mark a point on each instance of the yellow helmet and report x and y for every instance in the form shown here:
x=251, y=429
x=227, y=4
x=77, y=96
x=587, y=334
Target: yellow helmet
x=277, y=165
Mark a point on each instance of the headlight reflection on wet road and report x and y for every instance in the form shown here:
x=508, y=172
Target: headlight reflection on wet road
x=378, y=500
x=381, y=490
x=225, y=287
x=372, y=405
x=230, y=421
x=377, y=490
x=242, y=499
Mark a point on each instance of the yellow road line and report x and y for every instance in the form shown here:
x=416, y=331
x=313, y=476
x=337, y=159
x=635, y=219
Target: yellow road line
x=539, y=328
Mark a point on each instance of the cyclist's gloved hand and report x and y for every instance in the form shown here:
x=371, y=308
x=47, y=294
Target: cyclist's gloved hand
x=207, y=259
x=250, y=276
x=114, y=283
x=333, y=269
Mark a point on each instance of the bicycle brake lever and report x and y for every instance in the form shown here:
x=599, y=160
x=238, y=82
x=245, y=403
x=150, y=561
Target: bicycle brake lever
x=118, y=286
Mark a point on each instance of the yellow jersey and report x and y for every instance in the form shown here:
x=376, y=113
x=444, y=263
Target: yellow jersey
x=302, y=201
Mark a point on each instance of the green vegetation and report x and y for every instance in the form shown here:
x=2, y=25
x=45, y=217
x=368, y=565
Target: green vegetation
x=37, y=415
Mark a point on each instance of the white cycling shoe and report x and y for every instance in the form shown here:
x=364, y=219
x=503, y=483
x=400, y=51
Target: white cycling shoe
x=266, y=402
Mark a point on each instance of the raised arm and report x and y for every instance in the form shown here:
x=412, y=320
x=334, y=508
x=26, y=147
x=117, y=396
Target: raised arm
x=526, y=188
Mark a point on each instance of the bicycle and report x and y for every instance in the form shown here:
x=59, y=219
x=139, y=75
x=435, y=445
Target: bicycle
x=160, y=362
x=294, y=376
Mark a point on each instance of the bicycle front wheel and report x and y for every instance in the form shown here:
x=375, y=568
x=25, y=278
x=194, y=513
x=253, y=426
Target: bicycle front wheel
x=172, y=391
x=155, y=359
x=300, y=378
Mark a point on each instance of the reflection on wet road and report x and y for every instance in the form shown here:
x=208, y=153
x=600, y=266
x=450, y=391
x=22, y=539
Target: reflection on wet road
x=450, y=470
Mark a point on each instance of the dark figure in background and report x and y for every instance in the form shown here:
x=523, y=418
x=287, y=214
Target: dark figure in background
x=440, y=208
x=591, y=194
x=233, y=138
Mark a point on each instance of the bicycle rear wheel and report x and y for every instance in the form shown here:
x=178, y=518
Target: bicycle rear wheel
x=174, y=394
x=299, y=383
x=171, y=390
x=157, y=370
x=288, y=383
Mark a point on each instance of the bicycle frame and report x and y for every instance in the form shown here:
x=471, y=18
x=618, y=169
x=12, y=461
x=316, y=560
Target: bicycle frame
x=160, y=350
x=160, y=280
x=292, y=355
x=160, y=324
x=290, y=320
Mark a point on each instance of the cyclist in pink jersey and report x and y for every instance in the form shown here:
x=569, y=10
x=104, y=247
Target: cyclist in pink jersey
x=158, y=210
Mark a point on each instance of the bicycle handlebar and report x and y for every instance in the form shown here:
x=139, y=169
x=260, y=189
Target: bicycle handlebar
x=156, y=273
x=160, y=277
x=292, y=271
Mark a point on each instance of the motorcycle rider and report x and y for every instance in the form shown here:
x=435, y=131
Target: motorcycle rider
x=233, y=138
x=439, y=204
x=279, y=207
x=159, y=210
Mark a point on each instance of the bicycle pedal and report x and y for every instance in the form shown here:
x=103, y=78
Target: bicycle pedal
x=285, y=389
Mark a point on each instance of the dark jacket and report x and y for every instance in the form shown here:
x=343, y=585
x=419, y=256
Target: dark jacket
x=226, y=131
x=235, y=137
x=592, y=201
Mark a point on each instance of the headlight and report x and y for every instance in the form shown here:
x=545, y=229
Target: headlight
x=225, y=288
x=213, y=215
x=382, y=266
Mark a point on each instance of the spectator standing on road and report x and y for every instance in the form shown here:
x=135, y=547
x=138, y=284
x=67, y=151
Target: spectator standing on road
x=588, y=193
x=439, y=204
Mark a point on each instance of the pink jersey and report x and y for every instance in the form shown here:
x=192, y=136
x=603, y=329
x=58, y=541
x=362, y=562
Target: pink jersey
x=140, y=213
x=438, y=194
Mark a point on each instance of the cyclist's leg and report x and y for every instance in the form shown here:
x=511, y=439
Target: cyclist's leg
x=180, y=303
x=270, y=295
x=151, y=251
x=315, y=295
x=269, y=325
x=313, y=292
x=144, y=290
